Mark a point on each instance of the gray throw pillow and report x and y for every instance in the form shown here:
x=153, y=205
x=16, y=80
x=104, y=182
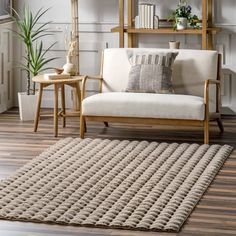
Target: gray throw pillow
x=151, y=73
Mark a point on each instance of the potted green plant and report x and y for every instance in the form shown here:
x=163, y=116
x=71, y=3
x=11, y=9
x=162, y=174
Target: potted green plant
x=30, y=32
x=182, y=15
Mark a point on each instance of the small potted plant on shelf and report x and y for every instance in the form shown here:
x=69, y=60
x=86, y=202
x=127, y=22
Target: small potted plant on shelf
x=30, y=32
x=182, y=16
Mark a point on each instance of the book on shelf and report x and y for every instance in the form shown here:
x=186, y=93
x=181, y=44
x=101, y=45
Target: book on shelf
x=146, y=14
x=149, y=17
x=136, y=22
x=141, y=16
x=152, y=13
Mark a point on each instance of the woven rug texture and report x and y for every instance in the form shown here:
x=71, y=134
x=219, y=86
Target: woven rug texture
x=112, y=184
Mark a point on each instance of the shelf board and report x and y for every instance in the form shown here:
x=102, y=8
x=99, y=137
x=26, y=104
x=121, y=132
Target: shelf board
x=163, y=31
x=212, y=30
x=115, y=29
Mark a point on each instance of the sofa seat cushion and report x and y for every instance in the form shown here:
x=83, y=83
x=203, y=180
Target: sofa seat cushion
x=144, y=105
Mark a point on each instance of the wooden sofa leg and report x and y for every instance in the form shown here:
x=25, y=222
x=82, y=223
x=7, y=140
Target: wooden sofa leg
x=82, y=126
x=85, y=126
x=106, y=123
x=206, y=131
x=220, y=124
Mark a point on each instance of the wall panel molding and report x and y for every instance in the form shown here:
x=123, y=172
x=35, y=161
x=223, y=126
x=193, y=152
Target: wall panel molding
x=6, y=81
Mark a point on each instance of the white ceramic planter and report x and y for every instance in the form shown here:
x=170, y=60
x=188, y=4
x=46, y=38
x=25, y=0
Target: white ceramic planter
x=182, y=23
x=27, y=106
x=174, y=44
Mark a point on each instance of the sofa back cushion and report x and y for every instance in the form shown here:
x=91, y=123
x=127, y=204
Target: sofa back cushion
x=151, y=73
x=191, y=69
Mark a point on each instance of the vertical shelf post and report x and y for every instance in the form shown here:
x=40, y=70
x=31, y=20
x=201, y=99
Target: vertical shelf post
x=209, y=13
x=130, y=17
x=121, y=23
x=204, y=24
x=75, y=38
x=75, y=31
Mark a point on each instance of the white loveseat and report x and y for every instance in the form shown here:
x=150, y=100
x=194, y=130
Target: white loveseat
x=192, y=104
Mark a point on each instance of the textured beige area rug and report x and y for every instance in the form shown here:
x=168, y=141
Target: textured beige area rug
x=114, y=184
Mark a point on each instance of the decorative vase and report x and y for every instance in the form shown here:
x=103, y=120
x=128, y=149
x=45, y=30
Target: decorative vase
x=174, y=44
x=69, y=67
x=182, y=23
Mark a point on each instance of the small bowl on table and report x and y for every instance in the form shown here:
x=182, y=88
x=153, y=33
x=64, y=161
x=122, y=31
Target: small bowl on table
x=58, y=70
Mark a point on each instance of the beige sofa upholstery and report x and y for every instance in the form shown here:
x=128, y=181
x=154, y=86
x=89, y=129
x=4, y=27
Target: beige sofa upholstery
x=191, y=104
x=145, y=105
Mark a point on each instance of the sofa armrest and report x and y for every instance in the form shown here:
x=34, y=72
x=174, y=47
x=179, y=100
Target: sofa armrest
x=206, y=95
x=84, y=81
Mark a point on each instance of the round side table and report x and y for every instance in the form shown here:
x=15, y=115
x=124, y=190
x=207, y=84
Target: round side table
x=58, y=84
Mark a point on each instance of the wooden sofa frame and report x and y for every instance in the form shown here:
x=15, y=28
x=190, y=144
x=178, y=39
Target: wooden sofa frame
x=216, y=116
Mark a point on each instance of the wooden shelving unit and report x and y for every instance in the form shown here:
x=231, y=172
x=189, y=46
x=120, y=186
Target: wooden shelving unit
x=206, y=31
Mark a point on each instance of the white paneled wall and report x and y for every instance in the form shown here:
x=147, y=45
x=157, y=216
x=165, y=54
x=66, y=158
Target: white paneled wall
x=6, y=83
x=225, y=18
x=97, y=17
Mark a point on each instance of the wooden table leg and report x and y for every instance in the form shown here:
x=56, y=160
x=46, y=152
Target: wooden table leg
x=76, y=102
x=80, y=105
x=56, y=110
x=77, y=96
x=78, y=93
x=63, y=106
x=37, y=113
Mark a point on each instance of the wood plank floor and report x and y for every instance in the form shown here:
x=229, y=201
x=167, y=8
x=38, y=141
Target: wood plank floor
x=214, y=215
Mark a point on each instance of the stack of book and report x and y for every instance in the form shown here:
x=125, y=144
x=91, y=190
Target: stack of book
x=146, y=16
x=54, y=76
